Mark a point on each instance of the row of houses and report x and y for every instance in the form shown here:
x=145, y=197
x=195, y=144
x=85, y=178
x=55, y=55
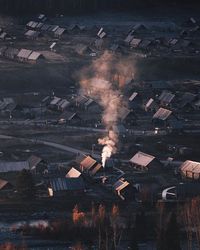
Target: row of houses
x=21, y=55
x=40, y=27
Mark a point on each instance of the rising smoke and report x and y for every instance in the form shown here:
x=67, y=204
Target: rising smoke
x=96, y=83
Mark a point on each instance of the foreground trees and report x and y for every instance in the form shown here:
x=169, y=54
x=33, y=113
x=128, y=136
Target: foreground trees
x=25, y=185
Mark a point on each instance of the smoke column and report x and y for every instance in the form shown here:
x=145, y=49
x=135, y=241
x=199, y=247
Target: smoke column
x=95, y=84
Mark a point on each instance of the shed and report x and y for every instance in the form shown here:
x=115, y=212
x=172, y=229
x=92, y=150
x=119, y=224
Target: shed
x=190, y=169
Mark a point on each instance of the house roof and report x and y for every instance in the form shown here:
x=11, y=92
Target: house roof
x=33, y=161
x=101, y=33
x=3, y=35
x=45, y=27
x=73, y=173
x=142, y=159
x=64, y=184
x=95, y=169
x=81, y=99
x=88, y=162
x=55, y=100
x=162, y=114
x=24, y=53
x=3, y=183
x=132, y=97
x=63, y=103
x=135, y=42
x=145, y=43
x=140, y=26
x=190, y=166
x=119, y=128
x=32, y=33
x=52, y=45
x=187, y=98
x=120, y=185
x=2, y=50
x=76, y=26
x=11, y=51
x=123, y=113
x=68, y=116
x=59, y=31
x=129, y=38
x=13, y=166
x=82, y=48
x=149, y=103
x=34, y=56
x=166, y=97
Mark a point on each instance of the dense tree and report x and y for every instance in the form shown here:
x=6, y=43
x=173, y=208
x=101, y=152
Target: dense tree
x=172, y=235
x=25, y=185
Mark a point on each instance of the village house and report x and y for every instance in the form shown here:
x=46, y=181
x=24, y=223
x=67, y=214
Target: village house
x=190, y=169
x=145, y=162
x=59, y=187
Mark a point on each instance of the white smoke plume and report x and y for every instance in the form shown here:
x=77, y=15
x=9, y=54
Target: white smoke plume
x=95, y=83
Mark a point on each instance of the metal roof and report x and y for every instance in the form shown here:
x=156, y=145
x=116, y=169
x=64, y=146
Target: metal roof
x=13, y=166
x=73, y=173
x=166, y=97
x=142, y=159
x=162, y=114
x=24, y=53
x=64, y=184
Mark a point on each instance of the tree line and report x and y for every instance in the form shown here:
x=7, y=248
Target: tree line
x=52, y=7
